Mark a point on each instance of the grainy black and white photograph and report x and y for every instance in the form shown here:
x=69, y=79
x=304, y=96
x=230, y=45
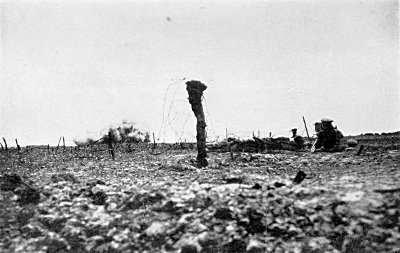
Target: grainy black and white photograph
x=199, y=126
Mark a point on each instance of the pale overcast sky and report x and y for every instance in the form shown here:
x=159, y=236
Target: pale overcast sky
x=74, y=68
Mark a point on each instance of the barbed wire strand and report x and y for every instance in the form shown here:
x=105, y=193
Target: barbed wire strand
x=165, y=98
x=176, y=111
x=209, y=116
x=183, y=127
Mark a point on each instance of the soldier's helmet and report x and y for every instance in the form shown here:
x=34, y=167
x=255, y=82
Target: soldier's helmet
x=326, y=120
x=317, y=126
x=326, y=123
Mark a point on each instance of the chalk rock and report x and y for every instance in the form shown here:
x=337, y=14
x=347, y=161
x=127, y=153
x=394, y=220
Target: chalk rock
x=352, y=143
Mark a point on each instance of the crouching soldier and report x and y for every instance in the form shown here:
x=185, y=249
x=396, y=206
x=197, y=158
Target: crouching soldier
x=328, y=138
x=297, y=140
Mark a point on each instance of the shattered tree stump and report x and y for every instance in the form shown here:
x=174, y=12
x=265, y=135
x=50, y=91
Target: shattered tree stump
x=195, y=90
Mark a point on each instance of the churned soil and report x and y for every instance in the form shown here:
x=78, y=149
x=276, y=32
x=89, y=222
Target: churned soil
x=159, y=201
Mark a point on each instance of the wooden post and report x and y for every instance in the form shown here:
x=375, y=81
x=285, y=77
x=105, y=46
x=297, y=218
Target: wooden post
x=270, y=134
x=58, y=144
x=2, y=148
x=63, y=143
x=5, y=144
x=18, y=147
x=360, y=149
x=305, y=125
x=110, y=145
x=231, y=152
x=195, y=90
x=258, y=133
x=226, y=133
x=154, y=142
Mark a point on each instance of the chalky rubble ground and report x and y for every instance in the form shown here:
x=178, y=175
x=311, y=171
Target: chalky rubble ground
x=159, y=201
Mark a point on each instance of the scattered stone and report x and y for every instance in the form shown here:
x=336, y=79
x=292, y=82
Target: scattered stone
x=186, y=219
x=255, y=246
x=99, y=198
x=352, y=143
x=223, y=214
x=156, y=228
x=168, y=207
x=353, y=196
x=301, y=175
x=233, y=180
x=99, y=188
x=393, y=190
x=278, y=184
x=255, y=224
x=317, y=244
x=95, y=182
x=189, y=248
x=224, y=162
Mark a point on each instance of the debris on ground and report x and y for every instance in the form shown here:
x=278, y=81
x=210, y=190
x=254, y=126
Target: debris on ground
x=144, y=201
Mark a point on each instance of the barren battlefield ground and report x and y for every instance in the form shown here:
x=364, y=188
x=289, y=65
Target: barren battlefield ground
x=158, y=201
